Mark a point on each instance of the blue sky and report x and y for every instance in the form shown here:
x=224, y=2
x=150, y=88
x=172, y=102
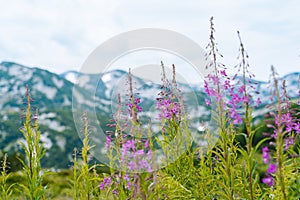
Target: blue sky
x=59, y=35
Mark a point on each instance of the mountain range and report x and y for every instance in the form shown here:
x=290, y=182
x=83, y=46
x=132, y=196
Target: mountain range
x=53, y=95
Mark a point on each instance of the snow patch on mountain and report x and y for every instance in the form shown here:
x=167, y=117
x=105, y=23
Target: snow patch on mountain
x=44, y=116
x=58, y=83
x=47, y=143
x=15, y=70
x=18, y=144
x=83, y=82
x=81, y=100
x=106, y=77
x=3, y=68
x=22, y=73
x=50, y=92
x=70, y=76
x=61, y=142
x=52, y=124
x=66, y=102
x=3, y=86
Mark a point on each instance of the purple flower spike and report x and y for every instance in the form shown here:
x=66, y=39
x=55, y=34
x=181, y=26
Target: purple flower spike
x=136, y=104
x=108, y=141
x=288, y=141
x=107, y=181
x=131, y=165
x=268, y=180
x=140, y=152
x=258, y=101
x=223, y=72
x=207, y=102
x=206, y=88
x=297, y=127
x=265, y=154
x=115, y=192
x=272, y=169
x=126, y=177
x=146, y=145
x=227, y=84
x=241, y=89
x=238, y=119
x=102, y=186
x=128, y=186
x=168, y=109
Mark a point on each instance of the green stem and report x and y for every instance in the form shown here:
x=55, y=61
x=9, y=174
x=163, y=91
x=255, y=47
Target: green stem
x=279, y=139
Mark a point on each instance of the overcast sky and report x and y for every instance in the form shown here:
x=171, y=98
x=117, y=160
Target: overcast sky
x=59, y=35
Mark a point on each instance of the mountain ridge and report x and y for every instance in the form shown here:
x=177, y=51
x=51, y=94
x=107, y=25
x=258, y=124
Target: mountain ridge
x=54, y=94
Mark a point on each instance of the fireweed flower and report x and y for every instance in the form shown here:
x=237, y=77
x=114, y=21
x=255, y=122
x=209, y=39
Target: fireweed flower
x=139, y=153
x=241, y=89
x=107, y=181
x=128, y=186
x=226, y=84
x=258, y=101
x=136, y=105
x=115, y=192
x=272, y=168
x=108, y=141
x=131, y=166
x=127, y=177
x=289, y=141
x=265, y=154
x=211, y=91
x=207, y=102
x=223, y=72
x=168, y=109
x=234, y=104
x=235, y=100
x=138, y=160
x=268, y=180
x=102, y=186
x=146, y=145
x=133, y=153
x=127, y=147
x=115, y=180
x=215, y=79
x=237, y=119
x=282, y=126
x=206, y=88
x=297, y=127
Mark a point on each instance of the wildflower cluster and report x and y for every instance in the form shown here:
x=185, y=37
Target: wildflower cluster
x=108, y=183
x=285, y=128
x=134, y=106
x=168, y=109
x=130, y=153
x=169, y=102
x=167, y=163
x=136, y=159
x=269, y=180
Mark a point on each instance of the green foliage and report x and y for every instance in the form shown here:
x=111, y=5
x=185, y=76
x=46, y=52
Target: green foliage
x=85, y=178
x=34, y=152
x=6, y=189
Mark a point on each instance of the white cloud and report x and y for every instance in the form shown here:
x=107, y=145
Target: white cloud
x=59, y=35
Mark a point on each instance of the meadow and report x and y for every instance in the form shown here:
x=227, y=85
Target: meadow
x=247, y=161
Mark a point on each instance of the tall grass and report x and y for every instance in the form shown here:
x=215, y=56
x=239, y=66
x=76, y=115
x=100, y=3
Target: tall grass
x=6, y=189
x=34, y=151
